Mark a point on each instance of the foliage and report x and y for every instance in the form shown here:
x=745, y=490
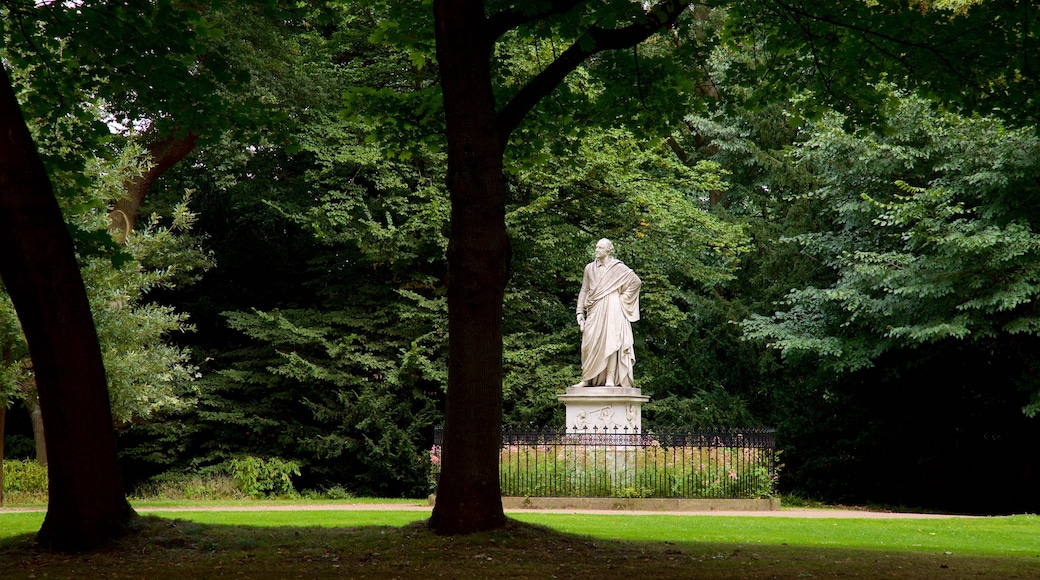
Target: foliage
x=191, y=487
x=78, y=86
x=951, y=258
x=152, y=69
x=718, y=408
x=972, y=56
x=18, y=446
x=14, y=351
x=323, y=327
x=24, y=476
x=256, y=476
x=344, y=368
x=25, y=481
x=146, y=373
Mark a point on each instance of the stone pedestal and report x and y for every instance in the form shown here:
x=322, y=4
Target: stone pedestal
x=595, y=409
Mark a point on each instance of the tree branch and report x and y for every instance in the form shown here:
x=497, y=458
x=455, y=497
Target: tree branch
x=946, y=59
x=595, y=40
x=506, y=20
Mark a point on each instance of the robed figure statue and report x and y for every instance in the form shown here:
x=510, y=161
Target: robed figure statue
x=608, y=304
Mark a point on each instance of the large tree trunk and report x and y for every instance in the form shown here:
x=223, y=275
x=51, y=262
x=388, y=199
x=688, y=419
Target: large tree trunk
x=469, y=497
x=38, y=266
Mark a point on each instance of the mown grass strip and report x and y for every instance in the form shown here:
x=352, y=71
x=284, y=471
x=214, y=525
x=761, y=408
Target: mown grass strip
x=996, y=536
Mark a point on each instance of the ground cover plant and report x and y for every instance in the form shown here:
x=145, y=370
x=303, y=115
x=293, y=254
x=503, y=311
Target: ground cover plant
x=395, y=543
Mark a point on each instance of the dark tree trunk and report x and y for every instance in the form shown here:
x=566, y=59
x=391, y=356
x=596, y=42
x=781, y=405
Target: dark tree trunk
x=469, y=498
x=38, y=266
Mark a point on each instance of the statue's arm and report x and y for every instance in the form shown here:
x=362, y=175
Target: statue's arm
x=630, y=296
x=580, y=308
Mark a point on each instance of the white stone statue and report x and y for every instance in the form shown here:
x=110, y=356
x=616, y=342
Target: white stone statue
x=608, y=304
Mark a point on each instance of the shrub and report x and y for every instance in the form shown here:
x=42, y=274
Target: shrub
x=25, y=481
x=258, y=477
x=190, y=486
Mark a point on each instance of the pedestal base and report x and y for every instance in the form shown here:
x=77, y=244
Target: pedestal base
x=604, y=409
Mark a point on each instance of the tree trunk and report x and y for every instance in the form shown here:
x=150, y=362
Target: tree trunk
x=86, y=502
x=469, y=497
x=164, y=154
x=32, y=404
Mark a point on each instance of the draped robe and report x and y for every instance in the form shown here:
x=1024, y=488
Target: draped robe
x=609, y=299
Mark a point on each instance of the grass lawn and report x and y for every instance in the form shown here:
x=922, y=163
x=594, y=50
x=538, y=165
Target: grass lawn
x=395, y=544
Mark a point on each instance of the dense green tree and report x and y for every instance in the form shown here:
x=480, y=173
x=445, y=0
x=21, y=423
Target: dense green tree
x=836, y=429
x=355, y=215
x=930, y=235
x=322, y=329
x=975, y=55
x=925, y=234
x=145, y=372
x=168, y=72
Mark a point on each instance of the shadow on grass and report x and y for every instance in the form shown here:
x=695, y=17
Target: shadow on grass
x=169, y=548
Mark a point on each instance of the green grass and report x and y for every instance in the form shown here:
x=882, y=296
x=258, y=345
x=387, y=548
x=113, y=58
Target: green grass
x=19, y=523
x=395, y=543
x=999, y=536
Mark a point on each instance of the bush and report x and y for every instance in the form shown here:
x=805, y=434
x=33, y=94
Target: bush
x=190, y=486
x=258, y=477
x=25, y=481
x=335, y=492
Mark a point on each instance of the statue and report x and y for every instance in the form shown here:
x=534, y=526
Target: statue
x=608, y=304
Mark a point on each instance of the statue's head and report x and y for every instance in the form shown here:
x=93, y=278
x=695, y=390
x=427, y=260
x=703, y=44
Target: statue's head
x=604, y=248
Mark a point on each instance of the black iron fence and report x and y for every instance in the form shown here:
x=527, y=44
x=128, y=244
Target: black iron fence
x=668, y=463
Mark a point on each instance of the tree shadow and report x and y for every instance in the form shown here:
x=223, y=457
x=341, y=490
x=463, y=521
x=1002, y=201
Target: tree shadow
x=170, y=548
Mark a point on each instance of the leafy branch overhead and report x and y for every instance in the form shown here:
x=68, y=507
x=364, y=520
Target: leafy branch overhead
x=635, y=27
